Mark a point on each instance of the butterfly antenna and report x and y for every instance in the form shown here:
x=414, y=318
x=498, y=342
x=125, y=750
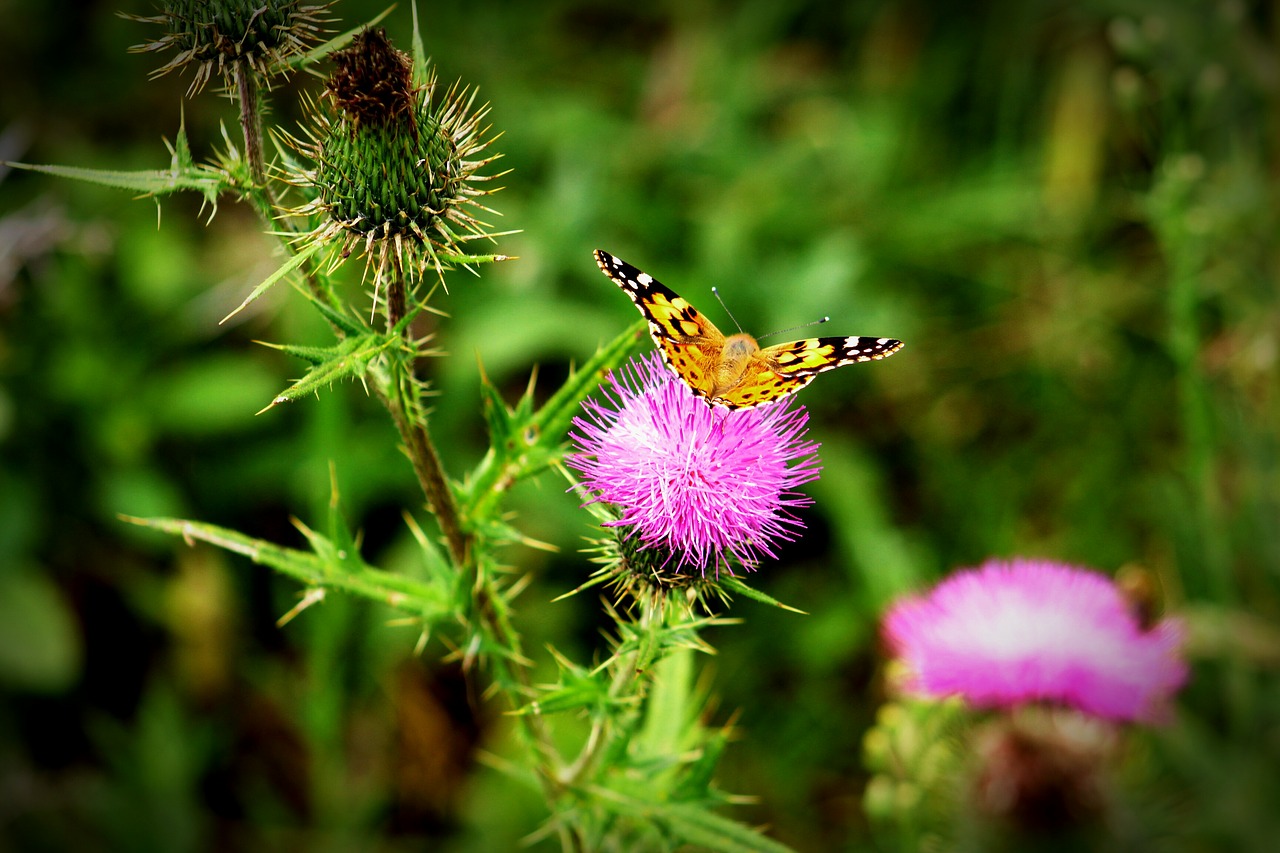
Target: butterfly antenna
x=801, y=326
x=716, y=292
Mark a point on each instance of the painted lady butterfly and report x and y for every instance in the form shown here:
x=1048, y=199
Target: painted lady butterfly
x=734, y=371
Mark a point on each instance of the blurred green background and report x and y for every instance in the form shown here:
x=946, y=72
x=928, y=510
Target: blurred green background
x=1067, y=210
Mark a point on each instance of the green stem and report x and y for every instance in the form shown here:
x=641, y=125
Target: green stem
x=626, y=681
x=418, y=444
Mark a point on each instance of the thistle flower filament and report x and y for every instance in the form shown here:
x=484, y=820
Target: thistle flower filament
x=699, y=485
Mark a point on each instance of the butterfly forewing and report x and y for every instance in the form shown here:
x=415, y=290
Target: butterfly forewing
x=670, y=315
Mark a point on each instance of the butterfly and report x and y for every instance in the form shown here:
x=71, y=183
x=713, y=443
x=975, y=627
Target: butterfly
x=733, y=371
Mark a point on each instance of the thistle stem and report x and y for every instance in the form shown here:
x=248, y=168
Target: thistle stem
x=422, y=452
x=430, y=472
x=251, y=122
x=626, y=681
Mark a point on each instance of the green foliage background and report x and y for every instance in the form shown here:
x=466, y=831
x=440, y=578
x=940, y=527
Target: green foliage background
x=1067, y=210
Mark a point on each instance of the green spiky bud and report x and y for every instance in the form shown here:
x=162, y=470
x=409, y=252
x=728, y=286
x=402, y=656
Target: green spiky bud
x=395, y=168
x=388, y=167
x=216, y=35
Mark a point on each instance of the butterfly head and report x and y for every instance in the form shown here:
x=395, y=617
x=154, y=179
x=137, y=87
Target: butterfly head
x=740, y=345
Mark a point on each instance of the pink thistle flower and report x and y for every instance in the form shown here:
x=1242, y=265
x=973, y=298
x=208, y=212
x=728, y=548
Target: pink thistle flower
x=1021, y=631
x=698, y=482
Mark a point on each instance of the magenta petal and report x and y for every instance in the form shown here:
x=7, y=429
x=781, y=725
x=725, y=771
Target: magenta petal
x=1008, y=633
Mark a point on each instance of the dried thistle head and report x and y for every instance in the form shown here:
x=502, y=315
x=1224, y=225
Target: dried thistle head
x=216, y=35
x=395, y=169
x=372, y=82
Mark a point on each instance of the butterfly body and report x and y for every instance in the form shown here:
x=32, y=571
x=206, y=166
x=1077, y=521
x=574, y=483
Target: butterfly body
x=733, y=371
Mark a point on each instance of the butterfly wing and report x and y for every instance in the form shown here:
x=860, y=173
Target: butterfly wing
x=689, y=342
x=778, y=371
x=761, y=384
x=812, y=356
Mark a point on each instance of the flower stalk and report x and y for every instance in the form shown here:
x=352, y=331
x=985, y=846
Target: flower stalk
x=250, y=121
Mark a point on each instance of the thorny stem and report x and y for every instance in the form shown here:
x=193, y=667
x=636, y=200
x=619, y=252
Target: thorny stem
x=396, y=305
x=430, y=473
x=422, y=452
x=251, y=121
x=426, y=464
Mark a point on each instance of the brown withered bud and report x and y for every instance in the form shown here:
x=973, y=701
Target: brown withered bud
x=372, y=82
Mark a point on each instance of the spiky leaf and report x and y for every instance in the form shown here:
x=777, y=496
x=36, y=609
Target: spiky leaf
x=287, y=267
x=327, y=566
x=349, y=358
x=183, y=174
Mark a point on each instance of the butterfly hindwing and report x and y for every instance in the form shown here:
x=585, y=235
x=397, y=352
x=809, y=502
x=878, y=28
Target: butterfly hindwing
x=695, y=363
x=762, y=384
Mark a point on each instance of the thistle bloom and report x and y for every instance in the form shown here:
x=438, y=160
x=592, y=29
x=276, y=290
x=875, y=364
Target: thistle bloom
x=697, y=482
x=1022, y=631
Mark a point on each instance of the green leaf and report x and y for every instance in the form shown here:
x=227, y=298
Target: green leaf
x=695, y=782
x=699, y=825
x=735, y=584
x=696, y=824
x=524, y=442
x=289, y=266
x=347, y=325
x=421, y=62
x=496, y=414
x=577, y=688
x=320, y=51
x=183, y=174
x=327, y=567
x=348, y=358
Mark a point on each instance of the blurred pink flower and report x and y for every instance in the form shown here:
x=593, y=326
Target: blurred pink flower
x=699, y=482
x=1024, y=630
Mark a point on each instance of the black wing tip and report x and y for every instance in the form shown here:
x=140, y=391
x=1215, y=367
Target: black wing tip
x=605, y=261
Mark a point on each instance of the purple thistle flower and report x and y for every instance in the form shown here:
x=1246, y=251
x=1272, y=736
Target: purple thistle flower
x=698, y=482
x=1021, y=631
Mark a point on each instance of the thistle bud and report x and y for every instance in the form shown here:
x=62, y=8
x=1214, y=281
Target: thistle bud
x=216, y=35
x=394, y=167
